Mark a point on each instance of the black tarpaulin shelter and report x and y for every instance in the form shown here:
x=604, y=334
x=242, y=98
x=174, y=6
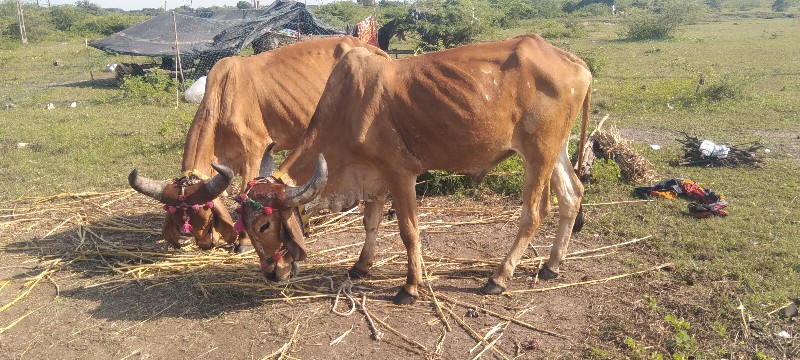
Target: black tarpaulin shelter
x=221, y=33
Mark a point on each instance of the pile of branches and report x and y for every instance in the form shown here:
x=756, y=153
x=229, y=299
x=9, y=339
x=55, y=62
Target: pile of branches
x=633, y=167
x=746, y=154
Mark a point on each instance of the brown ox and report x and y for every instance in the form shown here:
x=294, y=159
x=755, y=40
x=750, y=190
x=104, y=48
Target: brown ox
x=381, y=123
x=250, y=102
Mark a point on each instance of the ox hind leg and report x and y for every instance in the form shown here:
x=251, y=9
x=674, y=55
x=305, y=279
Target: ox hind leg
x=569, y=192
x=373, y=213
x=535, y=205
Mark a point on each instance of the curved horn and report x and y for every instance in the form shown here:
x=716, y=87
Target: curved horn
x=149, y=187
x=217, y=184
x=267, y=162
x=296, y=196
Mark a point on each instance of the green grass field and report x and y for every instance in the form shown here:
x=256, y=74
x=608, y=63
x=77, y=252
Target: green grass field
x=751, y=257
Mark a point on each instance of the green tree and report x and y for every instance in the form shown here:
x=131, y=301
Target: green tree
x=65, y=17
x=444, y=24
x=242, y=5
x=780, y=5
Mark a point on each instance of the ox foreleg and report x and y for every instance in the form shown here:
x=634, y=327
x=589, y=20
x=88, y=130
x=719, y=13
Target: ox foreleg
x=373, y=213
x=405, y=202
x=569, y=192
x=534, y=200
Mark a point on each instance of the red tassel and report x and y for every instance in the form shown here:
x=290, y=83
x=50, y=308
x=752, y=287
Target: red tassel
x=195, y=208
x=238, y=226
x=268, y=210
x=186, y=228
x=210, y=205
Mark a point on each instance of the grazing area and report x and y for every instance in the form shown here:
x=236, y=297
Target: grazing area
x=85, y=272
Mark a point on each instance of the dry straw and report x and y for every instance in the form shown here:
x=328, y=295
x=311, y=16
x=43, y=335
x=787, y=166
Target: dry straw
x=634, y=168
x=117, y=235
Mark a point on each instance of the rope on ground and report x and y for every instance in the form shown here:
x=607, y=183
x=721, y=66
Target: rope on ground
x=345, y=289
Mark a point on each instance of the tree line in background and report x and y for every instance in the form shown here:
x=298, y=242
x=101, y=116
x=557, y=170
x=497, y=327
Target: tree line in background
x=425, y=24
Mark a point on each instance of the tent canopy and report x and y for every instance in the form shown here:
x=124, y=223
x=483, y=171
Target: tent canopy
x=223, y=32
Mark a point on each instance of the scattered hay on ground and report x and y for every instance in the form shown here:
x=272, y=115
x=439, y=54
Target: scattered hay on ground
x=117, y=234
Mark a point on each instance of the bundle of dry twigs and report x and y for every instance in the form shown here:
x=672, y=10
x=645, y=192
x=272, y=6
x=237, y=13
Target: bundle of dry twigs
x=633, y=167
x=746, y=154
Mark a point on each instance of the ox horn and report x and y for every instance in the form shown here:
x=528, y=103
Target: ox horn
x=149, y=187
x=217, y=184
x=300, y=195
x=267, y=162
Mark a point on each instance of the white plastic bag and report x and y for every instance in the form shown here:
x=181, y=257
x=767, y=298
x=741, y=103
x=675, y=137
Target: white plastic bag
x=195, y=92
x=708, y=148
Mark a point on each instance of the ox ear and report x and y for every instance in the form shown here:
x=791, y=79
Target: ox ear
x=223, y=222
x=267, y=162
x=292, y=234
x=170, y=232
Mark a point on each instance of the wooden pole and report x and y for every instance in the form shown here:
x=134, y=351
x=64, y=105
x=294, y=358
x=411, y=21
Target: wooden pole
x=21, y=17
x=177, y=59
x=88, y=59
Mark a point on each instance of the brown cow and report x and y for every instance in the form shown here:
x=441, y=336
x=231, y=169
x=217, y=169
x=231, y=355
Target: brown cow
x=381, y=123
x=250, y=102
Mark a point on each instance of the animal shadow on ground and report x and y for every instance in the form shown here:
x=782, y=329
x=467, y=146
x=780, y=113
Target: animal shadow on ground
x=118, y=259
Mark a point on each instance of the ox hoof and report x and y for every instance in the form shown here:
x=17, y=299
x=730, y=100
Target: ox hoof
x=491, y=288
x=355, y=273
x=404, y=298
x=546, y=274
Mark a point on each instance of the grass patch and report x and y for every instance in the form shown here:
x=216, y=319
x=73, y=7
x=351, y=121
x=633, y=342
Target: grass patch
x=749, y=92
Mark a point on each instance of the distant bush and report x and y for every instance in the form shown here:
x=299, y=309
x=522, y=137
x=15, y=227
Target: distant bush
x=508, y=178
x=446, y=24
x=107, y=24
x=439, y=182
x=595, y=60
x=555, y=29
x=340, y=13
x=152, y=87
x=661, y=20
x=505, y=179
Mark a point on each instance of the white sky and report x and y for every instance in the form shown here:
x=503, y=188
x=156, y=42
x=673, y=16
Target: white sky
x=171, y=4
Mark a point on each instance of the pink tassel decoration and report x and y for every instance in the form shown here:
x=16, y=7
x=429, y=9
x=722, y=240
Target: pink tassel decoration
x=267, y=210
x=195, y=208
x=209, y=205
x=181, y=197
x=172, y=209
x=238, y=226
x=186, y=228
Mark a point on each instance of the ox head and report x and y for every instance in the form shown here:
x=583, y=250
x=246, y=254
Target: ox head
x=273, y=215
x=192, y=206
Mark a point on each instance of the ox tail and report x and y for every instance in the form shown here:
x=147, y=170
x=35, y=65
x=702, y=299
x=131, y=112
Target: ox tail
x=584, y=123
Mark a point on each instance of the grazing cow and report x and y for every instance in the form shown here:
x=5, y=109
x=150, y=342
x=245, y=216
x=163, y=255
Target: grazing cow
x=250, y=102
x=381, y=123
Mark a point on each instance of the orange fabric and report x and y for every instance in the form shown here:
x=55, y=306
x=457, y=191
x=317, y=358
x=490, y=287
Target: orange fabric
x=368, y=31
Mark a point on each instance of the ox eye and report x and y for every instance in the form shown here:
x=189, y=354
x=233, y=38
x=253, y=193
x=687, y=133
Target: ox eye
x=264, y=227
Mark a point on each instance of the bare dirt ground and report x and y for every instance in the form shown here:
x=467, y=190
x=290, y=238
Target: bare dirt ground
x=87, y=276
